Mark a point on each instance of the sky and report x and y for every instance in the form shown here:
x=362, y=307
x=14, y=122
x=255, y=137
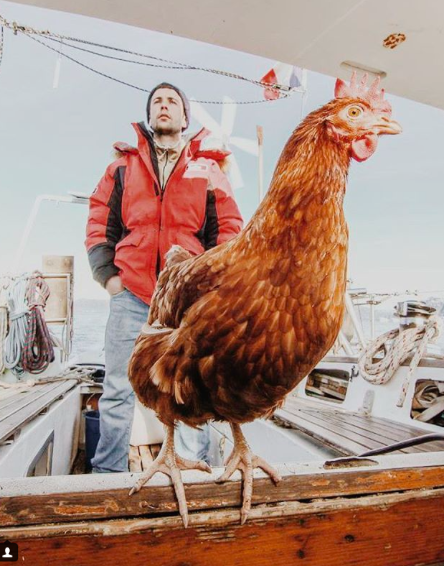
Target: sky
x=57, y=140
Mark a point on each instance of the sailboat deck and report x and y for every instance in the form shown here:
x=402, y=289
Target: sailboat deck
x=349, y=433
x=21, y=406
x=141, y=457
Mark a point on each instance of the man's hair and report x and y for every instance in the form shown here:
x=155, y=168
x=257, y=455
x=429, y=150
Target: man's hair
x=185, y=101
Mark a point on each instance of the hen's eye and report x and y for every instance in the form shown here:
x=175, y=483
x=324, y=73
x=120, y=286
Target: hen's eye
x=354, y=111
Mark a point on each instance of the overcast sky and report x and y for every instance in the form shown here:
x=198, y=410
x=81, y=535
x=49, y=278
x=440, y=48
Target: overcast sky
x=53, y=141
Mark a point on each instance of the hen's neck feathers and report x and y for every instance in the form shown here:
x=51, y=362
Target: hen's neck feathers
x=312, y=167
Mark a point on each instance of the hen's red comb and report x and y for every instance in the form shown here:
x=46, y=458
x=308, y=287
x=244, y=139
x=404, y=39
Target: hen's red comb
x=372, y=95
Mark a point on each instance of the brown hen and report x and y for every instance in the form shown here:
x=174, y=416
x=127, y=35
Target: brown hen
x=241, y=324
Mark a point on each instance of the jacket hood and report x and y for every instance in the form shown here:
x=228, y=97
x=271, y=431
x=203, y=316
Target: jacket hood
x=201, y=144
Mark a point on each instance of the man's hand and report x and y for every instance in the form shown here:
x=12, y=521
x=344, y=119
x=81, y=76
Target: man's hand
x=114, y=285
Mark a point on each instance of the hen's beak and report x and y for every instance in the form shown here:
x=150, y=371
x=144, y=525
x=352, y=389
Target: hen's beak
x=387, y=126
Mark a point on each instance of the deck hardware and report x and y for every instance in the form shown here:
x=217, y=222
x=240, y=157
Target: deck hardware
x=349, y=462
x=367, y=402
x=393, y=40
x=354, y=372
x=11, y=439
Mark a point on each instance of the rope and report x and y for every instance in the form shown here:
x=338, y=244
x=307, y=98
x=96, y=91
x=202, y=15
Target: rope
x=402, y=344
x=80, y=374
x=284, y=90
x=3, y=332
x=3, y=322
x=38, y=351
x=18, y=325
x=20, y=386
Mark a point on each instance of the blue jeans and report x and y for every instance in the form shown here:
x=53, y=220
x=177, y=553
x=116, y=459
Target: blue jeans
x=116, y=405
x=191, y=443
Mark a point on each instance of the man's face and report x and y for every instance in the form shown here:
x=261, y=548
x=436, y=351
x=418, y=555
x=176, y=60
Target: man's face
x=167, y=115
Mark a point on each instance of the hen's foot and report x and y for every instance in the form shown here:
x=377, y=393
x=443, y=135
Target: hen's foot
x=169, y=463
x=242, y=458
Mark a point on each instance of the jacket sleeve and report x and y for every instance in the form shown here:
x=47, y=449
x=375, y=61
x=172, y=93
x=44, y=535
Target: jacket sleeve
x=223, y=219
x=105, y=228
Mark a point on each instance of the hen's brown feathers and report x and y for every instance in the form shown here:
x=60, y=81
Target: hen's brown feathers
x=251, y=317
x=182, y=283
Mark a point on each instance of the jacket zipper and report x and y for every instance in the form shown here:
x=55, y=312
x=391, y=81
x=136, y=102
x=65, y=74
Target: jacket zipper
x=163, y=173
x=162, y=193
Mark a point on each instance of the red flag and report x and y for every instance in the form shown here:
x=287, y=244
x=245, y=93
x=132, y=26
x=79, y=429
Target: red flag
x=283, y=75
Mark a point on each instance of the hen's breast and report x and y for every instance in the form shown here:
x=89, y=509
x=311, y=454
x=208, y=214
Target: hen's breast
x=275, y=315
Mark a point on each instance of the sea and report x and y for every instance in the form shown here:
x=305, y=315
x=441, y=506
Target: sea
x=90, y=318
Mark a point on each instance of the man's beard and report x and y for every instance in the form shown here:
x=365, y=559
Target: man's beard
x=167, y=130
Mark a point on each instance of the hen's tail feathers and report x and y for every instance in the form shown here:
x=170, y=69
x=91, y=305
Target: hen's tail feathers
x=155, y=363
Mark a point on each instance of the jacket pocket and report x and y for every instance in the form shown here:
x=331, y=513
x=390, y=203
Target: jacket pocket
x=134, y=257
x=133, y=239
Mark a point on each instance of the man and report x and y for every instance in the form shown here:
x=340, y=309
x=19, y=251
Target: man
x=169, y=190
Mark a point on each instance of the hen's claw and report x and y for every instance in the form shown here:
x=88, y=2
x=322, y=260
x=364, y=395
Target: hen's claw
x=169, y=463
x=241, y=458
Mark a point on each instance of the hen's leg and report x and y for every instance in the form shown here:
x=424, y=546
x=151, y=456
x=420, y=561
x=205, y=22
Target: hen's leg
x=169, y=463
x=241, y=458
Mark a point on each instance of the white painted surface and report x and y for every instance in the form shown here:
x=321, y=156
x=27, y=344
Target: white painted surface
x=146, y=429
x=385, y=396
x=63, y=417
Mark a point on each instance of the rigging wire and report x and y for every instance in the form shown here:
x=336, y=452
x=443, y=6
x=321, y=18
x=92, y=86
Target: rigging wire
x=158, y=65
x=88, y=67
x=1, y=44
x=284, y=91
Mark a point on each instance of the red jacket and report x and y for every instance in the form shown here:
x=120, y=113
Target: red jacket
x=133, y=223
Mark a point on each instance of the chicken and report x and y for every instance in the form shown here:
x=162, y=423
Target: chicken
x=241, y=324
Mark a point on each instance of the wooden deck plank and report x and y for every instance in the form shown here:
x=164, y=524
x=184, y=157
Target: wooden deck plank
x=21, y=399
x=367, y=426
x=364, y=531
x=29, y=410
x=140, y=457
x=337, y=438
x=339, y=442
x=134, y=460
x=146, y=457
x=376, y=422
x=10, y=397
x=26, y=505
x=404, y=432
x=377, y=426
x=296, y=403
x=374, y=439
x=155, y=449
x=322, y=420
x=331, y=426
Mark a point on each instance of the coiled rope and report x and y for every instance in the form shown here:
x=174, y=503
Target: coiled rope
x=3, y=332
x=38, y=350
x=3, y=324
x=18, y=325
x=397, y=346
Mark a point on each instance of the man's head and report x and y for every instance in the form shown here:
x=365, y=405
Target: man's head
x=168, y=109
